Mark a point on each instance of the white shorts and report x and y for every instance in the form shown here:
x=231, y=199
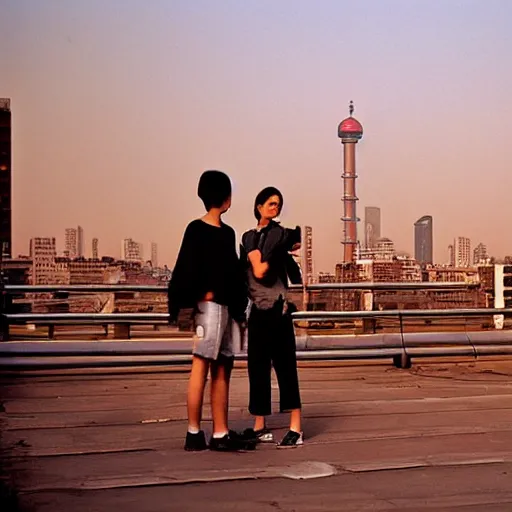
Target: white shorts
x=216, y=332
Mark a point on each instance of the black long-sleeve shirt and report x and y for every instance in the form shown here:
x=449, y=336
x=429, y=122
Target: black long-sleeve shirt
x=208, y=262
x=274, y=242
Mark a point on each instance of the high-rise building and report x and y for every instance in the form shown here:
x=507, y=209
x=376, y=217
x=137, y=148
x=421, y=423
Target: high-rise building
x=43, y=252
x=154, y=254
x=95, y=253
x=462, y=252
x=70, y=241
x=131, y=250
x=5, y=178
x=423, y=240
x=451, y=255
x=74, y=243
x=371, y=226
x=80, y=242
x=480, y=254
x=308, y=254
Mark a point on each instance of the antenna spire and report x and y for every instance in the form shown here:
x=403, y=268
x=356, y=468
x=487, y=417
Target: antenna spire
x=351, y=108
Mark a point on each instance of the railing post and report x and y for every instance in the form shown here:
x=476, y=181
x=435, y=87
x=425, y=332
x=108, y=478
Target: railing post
x=305, y=296
x=402, y=361
x=122, y=331
x=369, y=325
x=4, y=323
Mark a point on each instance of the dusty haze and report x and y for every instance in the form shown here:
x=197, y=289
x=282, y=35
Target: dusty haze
x=119, y=106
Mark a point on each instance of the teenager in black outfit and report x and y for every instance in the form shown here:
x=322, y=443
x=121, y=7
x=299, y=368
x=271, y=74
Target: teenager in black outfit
x=208, y=279
x=271, y=337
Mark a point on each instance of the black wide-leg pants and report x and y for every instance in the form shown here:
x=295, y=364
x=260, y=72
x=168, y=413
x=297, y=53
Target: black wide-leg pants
x=271, y=343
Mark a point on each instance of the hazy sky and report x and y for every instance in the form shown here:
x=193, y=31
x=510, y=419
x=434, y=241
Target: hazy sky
x=119, y=105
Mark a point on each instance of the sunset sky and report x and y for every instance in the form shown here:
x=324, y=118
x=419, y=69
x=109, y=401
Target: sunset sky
x=119, y=105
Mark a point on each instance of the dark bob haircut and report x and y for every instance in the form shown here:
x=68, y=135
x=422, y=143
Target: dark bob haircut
x=264, y=196
x=214, y=189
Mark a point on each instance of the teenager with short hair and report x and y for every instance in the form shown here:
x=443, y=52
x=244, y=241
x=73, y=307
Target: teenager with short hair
x=208, y=279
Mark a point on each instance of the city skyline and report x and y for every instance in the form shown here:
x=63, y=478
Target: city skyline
x=124, y=114
x=480, y=253
x=382, y=248
x=70, y=240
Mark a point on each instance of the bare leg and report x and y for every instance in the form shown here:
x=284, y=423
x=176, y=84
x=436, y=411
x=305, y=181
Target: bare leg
x=221, y=374
x=259, y=422
x=196, y=385
x=295, y=423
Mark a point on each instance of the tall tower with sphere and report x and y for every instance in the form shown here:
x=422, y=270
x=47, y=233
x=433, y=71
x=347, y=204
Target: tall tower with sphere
x=350, y=131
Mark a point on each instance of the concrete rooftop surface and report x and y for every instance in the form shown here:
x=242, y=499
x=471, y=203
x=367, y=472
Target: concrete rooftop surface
x=435, y=437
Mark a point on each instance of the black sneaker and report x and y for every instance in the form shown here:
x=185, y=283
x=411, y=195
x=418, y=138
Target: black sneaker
x=261, y=436
x=231, y=442
x=195, y=442
x=291, y=440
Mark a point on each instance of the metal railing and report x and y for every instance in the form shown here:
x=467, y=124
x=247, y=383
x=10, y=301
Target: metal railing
x=121, y=321
x=400, y=347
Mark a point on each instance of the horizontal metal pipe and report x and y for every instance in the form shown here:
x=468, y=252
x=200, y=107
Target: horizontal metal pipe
x=44, y=363
x=495, y=337
x=123, y=348
x=305, y=344
x=84, y=288
x=117, y=348
x=149, y=318
x=334, y=315
x=457, y=350
x=87, y=318
x=419, y=285
x=111, y=288
x=493, y=350
x=349, y=341
x=176, y=359
x=349, y=353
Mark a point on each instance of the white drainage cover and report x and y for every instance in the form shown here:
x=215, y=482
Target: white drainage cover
x=308, y=470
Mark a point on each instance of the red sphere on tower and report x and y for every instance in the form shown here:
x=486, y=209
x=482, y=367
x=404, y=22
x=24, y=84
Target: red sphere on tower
x=350, y=128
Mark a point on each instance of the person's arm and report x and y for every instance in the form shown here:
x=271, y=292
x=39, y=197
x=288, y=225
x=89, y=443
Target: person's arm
x=239, y=293
x=182, y=283
x=259, y=268
x=250, y=242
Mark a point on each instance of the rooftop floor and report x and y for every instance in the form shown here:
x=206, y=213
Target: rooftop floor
x=435, y=437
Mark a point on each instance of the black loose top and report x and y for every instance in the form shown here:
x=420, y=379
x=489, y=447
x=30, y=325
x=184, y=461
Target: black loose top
x=208, y=262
